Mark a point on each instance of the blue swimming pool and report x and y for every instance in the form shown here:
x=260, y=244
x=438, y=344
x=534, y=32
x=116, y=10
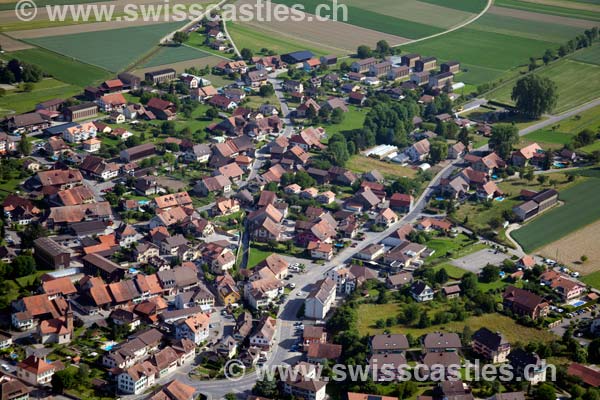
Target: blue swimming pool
x=499, y=198
x=558, y=164
x=577, y=303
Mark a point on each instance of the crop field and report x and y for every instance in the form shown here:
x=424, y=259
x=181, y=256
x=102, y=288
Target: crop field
x=62, y=68
x=577, y=83
x=592, y=279
x=362, y=164
x=108, y=49
x=379, y=21
x=42, y=3
x=565, y=9
x=255, y=39
x=570, y=248
x=591, y=55
x=580, y=209
x=169, y=55
x=20, y=102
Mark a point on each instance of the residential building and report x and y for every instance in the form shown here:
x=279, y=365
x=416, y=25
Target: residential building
x=320, y=300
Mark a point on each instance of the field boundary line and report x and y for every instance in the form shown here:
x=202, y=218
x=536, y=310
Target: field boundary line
x=209, y=54
x=235, y=49
x=457, y=27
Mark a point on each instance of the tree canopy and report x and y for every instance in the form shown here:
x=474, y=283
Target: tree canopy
x=504, y=137
x=535, y=95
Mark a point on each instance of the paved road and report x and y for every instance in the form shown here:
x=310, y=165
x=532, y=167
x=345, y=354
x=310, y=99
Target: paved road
x=557, y=118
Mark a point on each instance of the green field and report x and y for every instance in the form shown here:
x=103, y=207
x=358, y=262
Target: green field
x=548, y=136
x=369, y=313
x=439, y=14
x=577, y=83
x=20, y=102
x=472, y=6
x=254, y=39
x=112, y=50
x=537, y=30
x=590, y=55
x=62, y=68
x=489, y=54
x=169, y=55
x=353, y=119
x=580, y=209
x=548, y=9
x=562, y=132
x=592, y=279
x=381, y=22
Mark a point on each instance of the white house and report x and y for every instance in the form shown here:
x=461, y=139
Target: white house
x=320, y=300
x=194, y=328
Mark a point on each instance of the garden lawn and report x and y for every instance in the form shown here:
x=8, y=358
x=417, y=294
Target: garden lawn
x=251, y=38
x=20, y=102
x=548, y=139
x=580, y=209
x=577, y=83
x=592, y=279
x=353, y=119
x=362, y=164
x=591, y=147
x=454, y=272
x=368, y=314
x=108, y=49
x=446, y=246
x=62, y=68
x=256, y=256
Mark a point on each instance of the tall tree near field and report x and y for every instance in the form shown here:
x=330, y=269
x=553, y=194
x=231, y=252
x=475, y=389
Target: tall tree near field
x=364, y=52
x=504, y=137
x=535, y=95
x=180, y=37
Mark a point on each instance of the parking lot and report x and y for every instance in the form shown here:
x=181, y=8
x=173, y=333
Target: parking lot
x=476, y=261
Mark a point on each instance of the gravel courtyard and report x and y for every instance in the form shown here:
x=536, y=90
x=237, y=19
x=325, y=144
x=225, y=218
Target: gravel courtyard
x=476, y=261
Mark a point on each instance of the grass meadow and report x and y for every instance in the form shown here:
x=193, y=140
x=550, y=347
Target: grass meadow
x=20, y=102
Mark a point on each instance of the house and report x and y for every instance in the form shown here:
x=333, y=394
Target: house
x=112, y=102
x=92, y=145
x=213, y=184
x=194, y=328
x=320, y=300
x=50, y=254
x=313, y=334
x=528, y=366
x=13, y=389
x=364, y=396
x=525, y=303
x=80, y=111
x=401, y=202
x=526, y=262
x=371, y=252
x=363, y=66
x=222, y=102
x=421, y=292
x=297, y=57
x=264, y=334
x=256, y=78
x=386, y=217
x=305, y=385
x=320, y=353
x=35, y=371
x=388, y=344
x=137, y=152
x=567, y=288
x=320, y=251
x=174, y=390
x=380, y=69
x=162, y=109
x=456, y=150
x=440, y=342
x=419, y=151
x=451, y=292
x=311, y=64
x=490, y=345
x=419, y=78
x=137, y=378
x=399, y=280
x=203, y=93
x=450, y=66
x=25, y=123
x=441, y=80
x=357, y=98
x=425, y=64
x=527, y=155
x=160, y=76
x=429, y=224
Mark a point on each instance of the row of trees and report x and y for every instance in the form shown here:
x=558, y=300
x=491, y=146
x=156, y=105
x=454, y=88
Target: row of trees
x=16, y=71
